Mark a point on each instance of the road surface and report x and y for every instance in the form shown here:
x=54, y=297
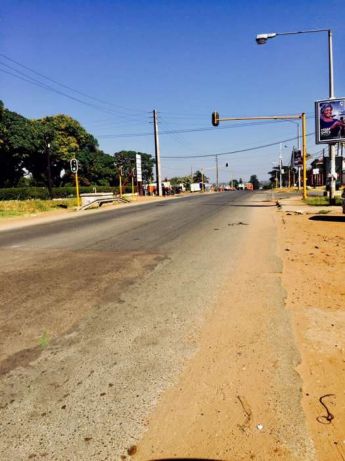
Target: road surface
x=102, y=315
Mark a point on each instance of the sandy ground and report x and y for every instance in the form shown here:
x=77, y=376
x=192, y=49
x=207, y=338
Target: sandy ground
x=313, y=253
x=239, y=397
x=236, y=399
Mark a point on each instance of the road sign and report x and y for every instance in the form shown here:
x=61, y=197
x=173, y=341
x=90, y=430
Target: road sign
x=74, y=165
x=138, y=168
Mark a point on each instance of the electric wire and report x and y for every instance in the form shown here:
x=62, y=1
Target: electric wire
x=69, y=87
x=35, y=82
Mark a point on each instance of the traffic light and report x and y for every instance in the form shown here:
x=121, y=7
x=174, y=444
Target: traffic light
x=215, y=118
x=74, y=165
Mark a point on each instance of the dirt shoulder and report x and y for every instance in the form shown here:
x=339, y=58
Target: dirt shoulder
x=239, y=397
x=268, y=379
x=313, y=253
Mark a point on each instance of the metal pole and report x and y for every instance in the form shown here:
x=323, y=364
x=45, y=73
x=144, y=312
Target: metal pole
x=120, y=184
x=280, y=166
x=77, y=188
x=299, y=178
x=331, y=148
x=157, y=151
x=217, y=176
x=304, y=149
x=50, y=189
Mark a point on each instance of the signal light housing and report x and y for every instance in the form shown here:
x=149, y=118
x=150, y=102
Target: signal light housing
x=74, y=165
x=215, y=118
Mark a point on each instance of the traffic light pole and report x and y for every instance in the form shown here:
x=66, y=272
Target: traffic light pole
x=217, y=173
x=216, y=119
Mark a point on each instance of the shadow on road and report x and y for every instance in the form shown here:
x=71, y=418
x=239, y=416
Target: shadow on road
x=328, y=218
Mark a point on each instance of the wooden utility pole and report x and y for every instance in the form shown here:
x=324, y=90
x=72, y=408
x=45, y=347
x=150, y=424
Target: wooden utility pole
x=157, y=152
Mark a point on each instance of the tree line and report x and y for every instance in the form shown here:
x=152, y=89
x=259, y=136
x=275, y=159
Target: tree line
x=38, y=153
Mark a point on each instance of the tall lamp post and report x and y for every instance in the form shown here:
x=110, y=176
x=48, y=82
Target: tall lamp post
x=261, y=39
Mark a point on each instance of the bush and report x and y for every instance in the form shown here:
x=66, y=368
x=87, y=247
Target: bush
x=27, y=193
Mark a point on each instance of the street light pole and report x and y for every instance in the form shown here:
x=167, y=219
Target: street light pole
x=331, y=147
x=261, y=39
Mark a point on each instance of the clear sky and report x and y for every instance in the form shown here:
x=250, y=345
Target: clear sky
x=184, y=58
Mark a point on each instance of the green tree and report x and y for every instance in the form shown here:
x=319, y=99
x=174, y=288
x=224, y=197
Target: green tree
x=185, y=180
x=254, y=180
x=234, y=182
x=198, y=177
x=67, y=139
x=17, y=143
x=126, y=161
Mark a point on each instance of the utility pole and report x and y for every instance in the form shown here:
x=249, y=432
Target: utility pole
x=157, y=152
x=217, y=175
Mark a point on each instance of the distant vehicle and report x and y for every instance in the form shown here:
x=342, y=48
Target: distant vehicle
x=248, y=186
x=240, y=186
x=195, y=187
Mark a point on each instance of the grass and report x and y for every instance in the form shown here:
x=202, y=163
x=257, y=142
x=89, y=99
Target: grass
x=43, y=340
x=10, y=208
x=321, y=201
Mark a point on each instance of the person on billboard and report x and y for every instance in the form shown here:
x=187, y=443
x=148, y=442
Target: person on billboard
x=330, y=127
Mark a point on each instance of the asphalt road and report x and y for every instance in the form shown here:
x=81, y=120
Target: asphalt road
x=100, y=312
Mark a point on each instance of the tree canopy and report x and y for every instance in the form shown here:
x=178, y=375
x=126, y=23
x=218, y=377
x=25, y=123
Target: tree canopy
x=125, y=161
x=199, y=177
x=42, y=148
x=254, y=180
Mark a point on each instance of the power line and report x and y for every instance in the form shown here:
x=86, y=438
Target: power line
x=191, y=130
x=234, y=151
x=69, y=87
x=35, y=82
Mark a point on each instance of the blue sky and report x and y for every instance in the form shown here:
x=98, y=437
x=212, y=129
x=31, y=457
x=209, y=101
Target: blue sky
x=184, y=58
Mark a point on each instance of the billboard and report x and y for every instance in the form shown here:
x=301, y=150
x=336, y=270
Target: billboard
x=297, y=158
x=138, y=167
x=330, y=121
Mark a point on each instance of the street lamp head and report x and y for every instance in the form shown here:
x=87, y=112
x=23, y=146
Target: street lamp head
x=261, y=39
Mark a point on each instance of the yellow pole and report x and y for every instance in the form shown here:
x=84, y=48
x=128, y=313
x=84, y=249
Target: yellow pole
x=304, y=153
x=77, y=187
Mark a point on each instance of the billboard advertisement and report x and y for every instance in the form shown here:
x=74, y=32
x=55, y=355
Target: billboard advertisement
x=330, y=121
x=138, y=167
x=297, y=158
